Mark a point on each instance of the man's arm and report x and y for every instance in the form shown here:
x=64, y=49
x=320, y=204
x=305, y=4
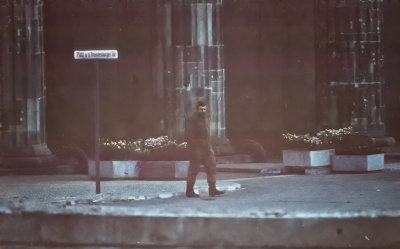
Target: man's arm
x=189, y=129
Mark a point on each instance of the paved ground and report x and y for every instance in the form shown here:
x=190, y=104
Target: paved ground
x=319, y=193
x=58, y=188
x=311, y=195
x=273, y=211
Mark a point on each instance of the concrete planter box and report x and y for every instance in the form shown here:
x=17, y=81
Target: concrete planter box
x=307, y=158
x=359, y=163
x=115, y=169
x=145, y=170
x=163, y=170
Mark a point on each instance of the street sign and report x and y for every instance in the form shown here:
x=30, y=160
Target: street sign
x=96, y=54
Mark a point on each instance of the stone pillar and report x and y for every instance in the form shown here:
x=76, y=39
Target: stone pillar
x=350, y=61
x=22, y=103
x=192, y=49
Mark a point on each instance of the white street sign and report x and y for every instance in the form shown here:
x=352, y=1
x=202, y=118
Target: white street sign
x=96, y=54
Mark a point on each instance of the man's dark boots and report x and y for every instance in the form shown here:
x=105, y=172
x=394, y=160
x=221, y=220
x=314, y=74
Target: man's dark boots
x=212, y=189
x=190, y=188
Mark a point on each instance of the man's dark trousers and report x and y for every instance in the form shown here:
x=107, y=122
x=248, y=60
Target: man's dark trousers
x=202, y=155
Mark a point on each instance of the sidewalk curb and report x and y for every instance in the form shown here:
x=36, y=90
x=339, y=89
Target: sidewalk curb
x=114, y=227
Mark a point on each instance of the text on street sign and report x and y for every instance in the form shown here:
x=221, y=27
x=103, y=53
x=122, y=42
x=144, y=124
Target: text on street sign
x=96, y=54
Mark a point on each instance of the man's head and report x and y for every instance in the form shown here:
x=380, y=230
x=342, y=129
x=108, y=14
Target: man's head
x=201, y=107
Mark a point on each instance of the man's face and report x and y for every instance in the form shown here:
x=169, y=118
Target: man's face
x=202, y=109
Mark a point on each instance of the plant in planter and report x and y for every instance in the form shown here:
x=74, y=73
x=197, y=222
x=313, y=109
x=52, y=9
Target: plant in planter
x=301, y=142
x=136, y=158
x=334, y=137
x=353, y=151
x=158, y=148
x=121, y=149
x=356, y=151
x=165, y=148
x=305, y=150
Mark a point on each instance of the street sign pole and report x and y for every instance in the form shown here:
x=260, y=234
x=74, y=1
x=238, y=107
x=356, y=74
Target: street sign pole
x=97, y=127
x=96, y=55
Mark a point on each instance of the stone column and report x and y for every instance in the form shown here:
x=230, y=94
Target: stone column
x=192, y=51
x=350, y=61
x=22, y=83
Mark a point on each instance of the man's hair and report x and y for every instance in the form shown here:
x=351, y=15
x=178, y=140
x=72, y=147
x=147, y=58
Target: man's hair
x=201, y=103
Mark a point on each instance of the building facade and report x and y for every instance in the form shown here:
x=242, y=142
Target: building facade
x=264, y=67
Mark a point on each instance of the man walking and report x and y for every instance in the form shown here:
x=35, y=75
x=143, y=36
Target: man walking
x=201, y=152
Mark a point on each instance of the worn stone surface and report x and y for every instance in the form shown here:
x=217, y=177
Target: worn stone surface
x=163, y=170
x=358, y=162
x=307, y=158
x=324, y=170
x=106, y=227
x=114, y=169
x=233, y=159
x=303, y=170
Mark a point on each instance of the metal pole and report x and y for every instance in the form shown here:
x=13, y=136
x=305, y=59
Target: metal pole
x=96, y=55
x=97, y=127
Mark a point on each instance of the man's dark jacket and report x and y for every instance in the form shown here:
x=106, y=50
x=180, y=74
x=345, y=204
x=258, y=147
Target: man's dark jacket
x=197, y=132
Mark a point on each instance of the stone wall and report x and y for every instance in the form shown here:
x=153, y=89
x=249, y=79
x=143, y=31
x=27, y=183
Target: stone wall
x=269, y=62
x=391, y=34
x=270, y=68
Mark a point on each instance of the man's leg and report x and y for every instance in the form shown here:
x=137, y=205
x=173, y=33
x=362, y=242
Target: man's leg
x=210, y=167
x=193, y=170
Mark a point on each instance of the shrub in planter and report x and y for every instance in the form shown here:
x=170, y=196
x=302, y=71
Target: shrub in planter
x=305, y=150
x=346, y=141
x=159, y=148
x=356, y=144
x=343, y=140
x=122, y=149
x=302, y=142
x=354, y=151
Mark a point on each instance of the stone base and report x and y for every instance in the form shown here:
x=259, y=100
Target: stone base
x=144, y=170
x=316, y=170
x=115, y=169
x=307, y=158
x=238, y=158
x=34, y=165
x=163, y=170
x=358, y=163
x=33, y=150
